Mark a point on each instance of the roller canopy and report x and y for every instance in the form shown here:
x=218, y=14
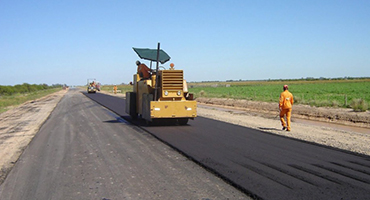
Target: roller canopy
x=151, y=54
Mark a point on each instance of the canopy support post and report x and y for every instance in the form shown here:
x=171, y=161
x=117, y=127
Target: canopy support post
x=157, y=75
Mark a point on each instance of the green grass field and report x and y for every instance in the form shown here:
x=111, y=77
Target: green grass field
x=319, y=93
x=331, y=93
x=8, y=101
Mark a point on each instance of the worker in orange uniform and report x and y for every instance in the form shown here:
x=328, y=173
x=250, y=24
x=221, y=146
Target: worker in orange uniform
x=115, y=89
x=143, y=71
x=285, y=106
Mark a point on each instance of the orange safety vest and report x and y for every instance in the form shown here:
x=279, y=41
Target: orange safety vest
x=286, y=100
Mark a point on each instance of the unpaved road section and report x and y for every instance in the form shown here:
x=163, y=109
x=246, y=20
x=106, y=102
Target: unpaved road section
x=84, y=151
x=19, y=125
x=330, y=115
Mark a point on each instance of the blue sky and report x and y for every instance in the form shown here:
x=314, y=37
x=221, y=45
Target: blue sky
x=70, y=41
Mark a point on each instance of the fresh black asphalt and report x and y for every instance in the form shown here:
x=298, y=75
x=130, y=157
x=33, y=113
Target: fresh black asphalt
x=263, y=165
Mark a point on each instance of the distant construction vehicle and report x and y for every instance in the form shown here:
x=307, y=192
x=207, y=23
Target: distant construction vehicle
x=163, y=97
x=92, y=86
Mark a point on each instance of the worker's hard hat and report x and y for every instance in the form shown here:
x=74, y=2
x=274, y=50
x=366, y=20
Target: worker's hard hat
x=138, y=62
x=285, y=87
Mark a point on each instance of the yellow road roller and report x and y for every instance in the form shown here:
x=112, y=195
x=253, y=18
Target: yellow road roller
x=159, y=95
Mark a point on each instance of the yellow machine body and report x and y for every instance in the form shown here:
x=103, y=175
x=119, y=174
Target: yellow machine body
x=172, y=101
x=91, y=88
x=173, y=109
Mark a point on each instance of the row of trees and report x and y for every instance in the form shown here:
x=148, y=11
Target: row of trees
x=301, y=79
x=25, y=88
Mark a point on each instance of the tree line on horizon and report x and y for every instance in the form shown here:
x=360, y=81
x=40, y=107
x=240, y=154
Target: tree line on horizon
x=298, y=79
x=25, y=88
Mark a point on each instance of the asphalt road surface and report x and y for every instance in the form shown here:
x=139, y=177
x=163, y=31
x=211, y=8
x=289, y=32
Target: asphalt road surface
x=85, y=151
x=262, y=165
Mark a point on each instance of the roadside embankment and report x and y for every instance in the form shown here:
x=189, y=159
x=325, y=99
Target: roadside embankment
x=332, y=115
x=19, y=125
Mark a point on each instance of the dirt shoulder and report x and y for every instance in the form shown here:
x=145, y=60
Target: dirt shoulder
x=330, y=115
x=19, y=125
